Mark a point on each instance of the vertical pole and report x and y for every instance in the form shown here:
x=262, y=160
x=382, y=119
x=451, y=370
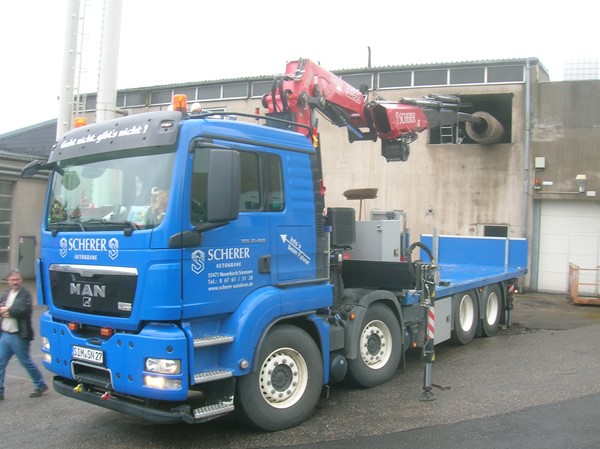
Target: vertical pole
x=527, y=149
x=509, y=304
x=65, y=99
x=106, y=102
x=428, y=355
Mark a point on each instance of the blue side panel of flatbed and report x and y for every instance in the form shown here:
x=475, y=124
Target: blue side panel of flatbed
x=466, y=263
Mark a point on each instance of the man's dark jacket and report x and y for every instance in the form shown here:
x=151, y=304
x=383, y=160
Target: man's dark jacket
x=21, y=310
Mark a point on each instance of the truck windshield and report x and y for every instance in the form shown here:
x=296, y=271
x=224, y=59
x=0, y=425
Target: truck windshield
x=110, y=191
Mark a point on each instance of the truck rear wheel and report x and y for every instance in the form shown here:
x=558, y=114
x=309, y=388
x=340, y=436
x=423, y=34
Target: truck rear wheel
x=379, y=347
x=491, y=305
x=465, y=316
x=286, y=387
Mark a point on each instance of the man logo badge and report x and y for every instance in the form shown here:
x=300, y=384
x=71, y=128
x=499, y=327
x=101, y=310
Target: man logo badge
x=87, y=301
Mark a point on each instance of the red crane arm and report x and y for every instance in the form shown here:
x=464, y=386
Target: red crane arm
x=306, y=87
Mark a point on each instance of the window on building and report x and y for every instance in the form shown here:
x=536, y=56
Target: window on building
x=359, y=79
x=469, y=75
x=259, y=88
x=209, y=92
x=385, y=80
x=90, y=102
x=505, y=74
x=189, y=92
x=395, y=79
x=6, y=192
x=495, y=231
x=136, y=99
x=161, y=96
x=431, y=77
x=237, y=90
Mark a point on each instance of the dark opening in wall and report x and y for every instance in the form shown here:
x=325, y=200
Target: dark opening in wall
x=495, y=231
x=499, y=106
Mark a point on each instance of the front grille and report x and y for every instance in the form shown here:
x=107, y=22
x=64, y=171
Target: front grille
x=94, y=290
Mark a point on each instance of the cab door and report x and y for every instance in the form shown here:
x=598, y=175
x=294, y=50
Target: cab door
x=231, y=258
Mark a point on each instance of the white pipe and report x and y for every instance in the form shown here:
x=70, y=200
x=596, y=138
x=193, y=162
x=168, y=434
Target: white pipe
x=106, y=102
x=526, y=156
x=65, y=101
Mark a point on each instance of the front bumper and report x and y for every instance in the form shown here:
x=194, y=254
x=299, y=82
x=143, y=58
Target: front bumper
x=121, y=368
x=156, y=412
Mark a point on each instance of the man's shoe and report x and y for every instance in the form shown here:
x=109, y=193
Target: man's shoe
x=1, y=397
x=39, y=391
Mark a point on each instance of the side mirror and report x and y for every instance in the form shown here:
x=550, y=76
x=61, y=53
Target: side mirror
x=32, y=168
x=223, y=198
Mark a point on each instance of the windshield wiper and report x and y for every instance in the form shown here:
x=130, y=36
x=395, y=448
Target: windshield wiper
x=54, y=226
x=120, y=222
x=93, y=224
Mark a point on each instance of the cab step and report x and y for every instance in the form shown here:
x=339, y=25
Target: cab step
x=212, y=411
x=210, y=376
x=212, y=340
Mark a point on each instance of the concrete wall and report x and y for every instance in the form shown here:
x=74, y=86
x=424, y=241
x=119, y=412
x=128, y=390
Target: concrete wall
x=452, y=188
x=566, y=132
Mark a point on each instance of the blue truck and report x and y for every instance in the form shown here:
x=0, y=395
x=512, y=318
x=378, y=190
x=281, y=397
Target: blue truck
x=190, y=268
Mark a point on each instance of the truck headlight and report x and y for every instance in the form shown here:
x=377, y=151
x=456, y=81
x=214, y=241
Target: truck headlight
x=163, y=366
x=45, y=344
x=162, y=383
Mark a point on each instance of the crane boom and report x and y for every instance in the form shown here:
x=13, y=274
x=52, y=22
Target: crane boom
x=306, y=88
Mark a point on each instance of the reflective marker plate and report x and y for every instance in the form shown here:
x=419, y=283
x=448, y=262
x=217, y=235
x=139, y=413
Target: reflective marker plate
x=88, y=354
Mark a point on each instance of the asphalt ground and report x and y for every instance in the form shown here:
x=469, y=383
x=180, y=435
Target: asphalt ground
x=533, y=385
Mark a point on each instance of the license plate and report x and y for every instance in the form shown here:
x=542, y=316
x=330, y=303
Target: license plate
x=88, y=354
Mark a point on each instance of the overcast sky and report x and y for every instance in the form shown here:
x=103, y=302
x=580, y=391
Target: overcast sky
x=175, y=41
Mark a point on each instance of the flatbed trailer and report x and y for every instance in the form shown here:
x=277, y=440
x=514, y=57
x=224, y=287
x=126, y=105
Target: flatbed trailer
x=477, y=264
x=463, y=289
x=474, y=285
x=473, y=262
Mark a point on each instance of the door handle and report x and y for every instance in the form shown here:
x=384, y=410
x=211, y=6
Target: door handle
x=264, y=264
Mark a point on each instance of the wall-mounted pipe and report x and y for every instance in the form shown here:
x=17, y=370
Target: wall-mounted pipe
x=527, y=147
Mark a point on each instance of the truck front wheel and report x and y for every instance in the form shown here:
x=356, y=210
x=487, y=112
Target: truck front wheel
x=465, y=315
x=379, y=348
x=286, y=387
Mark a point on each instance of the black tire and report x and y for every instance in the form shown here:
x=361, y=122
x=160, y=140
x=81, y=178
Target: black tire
x=489, y=133
x=379, y=348
x=287, y=385
x=491, y=308
x=465, y=315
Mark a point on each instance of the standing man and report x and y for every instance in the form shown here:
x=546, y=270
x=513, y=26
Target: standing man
x=17, y=333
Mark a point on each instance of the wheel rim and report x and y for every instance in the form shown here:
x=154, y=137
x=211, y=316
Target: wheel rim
x=466, y=313
x=492, y=308
x=283, y=378
x=376, y=344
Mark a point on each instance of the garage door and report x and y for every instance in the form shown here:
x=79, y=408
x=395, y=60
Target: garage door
x=569, y=232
